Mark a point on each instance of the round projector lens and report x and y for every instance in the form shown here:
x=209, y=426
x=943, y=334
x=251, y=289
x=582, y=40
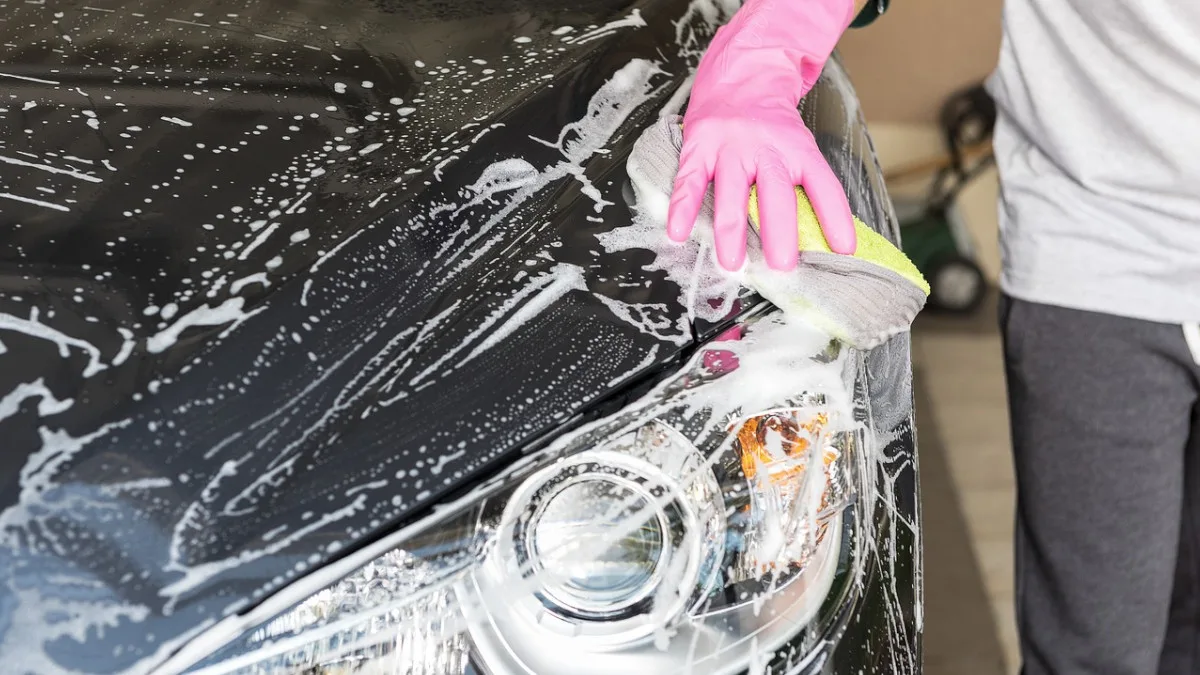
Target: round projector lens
x=600, y=544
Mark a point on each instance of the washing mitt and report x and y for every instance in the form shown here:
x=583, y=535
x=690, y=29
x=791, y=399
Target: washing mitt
x=862, y=299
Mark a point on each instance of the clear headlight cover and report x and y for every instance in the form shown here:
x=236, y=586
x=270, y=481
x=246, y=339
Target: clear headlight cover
x=710, y=527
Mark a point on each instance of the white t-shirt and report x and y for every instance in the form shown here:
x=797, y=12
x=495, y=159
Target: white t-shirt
x=1098, y=146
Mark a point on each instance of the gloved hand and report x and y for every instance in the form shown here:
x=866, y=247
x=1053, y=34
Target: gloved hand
x=742, y=127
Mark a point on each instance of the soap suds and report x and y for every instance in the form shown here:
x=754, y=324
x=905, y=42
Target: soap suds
x=227, y=311
x=47, y=405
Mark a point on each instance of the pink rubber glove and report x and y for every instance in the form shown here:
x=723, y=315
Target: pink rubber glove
x=742, y=127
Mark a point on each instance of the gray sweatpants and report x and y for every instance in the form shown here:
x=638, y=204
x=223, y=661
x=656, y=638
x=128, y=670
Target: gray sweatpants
x=1106, y=446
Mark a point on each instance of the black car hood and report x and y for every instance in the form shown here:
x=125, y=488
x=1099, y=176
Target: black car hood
x=276, y=276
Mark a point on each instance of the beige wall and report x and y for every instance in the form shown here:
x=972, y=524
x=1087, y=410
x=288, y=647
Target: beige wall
x=907, y=62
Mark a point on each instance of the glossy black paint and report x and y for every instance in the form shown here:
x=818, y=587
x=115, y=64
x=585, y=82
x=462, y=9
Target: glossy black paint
x=174, y=153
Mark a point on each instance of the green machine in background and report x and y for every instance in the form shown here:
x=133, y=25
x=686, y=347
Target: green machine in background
x=938, y=244
x=933, y=235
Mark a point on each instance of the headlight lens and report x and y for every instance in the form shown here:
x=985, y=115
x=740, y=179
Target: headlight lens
x=590, y=515
x=700, y=530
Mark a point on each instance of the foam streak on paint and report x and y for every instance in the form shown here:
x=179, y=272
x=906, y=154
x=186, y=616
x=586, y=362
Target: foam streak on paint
x=484, y=328
x=634, y=20
x=50, y=169
x=262, y=236
x=230, y=310
x=48, y=404
x=33, y=328
x=35, y=202
x=193, y=575
x=334, y=252
x=578, y=141
x=651, y=358
x=26, y=78
x=564, y=278
x=256, y=278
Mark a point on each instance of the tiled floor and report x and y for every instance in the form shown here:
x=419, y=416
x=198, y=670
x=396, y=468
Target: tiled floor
x=967, y=480
x=960, y=372
x=960, y=628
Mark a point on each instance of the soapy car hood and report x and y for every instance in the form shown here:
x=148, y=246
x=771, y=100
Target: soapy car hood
x=277, y=276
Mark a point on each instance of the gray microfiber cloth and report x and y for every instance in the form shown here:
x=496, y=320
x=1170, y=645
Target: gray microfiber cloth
x=862, y=299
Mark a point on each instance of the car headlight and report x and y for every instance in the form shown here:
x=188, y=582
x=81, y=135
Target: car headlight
x=703, y=529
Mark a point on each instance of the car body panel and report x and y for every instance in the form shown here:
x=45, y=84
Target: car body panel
x=277, y=277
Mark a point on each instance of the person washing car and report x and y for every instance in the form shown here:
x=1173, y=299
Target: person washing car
x=1098, y=147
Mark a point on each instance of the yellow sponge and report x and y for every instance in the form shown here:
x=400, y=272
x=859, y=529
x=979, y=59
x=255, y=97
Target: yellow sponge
x=872, y=247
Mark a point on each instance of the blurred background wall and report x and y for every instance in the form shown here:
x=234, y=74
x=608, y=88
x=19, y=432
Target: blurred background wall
x=904, y=66
x=912, y=58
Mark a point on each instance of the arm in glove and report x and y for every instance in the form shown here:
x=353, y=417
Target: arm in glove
x=742, y=127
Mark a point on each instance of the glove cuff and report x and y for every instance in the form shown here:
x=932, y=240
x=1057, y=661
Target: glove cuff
x=783, y=42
